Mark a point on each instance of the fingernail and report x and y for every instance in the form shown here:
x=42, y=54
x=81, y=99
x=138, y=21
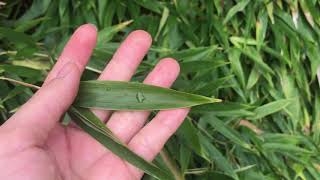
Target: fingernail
x=67, y=68
x=93, y=25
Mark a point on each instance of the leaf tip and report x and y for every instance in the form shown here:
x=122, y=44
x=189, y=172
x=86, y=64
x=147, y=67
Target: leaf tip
x=214, y=100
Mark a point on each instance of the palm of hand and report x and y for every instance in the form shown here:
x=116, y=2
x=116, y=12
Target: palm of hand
x=60, y=158
x=36, y=146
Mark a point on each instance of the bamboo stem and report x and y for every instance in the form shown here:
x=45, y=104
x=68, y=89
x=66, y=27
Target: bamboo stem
x=171, y=165
x=250, y=126
x=20, y=82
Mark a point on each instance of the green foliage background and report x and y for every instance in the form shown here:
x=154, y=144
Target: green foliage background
x=259, y=56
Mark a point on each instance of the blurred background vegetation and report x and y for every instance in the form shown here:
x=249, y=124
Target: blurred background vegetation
x=259, y=56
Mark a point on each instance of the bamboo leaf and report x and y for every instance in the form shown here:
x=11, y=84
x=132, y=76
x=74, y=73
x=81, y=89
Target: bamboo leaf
x=253, y=77
x=237, y=8
x=163, y=20
x=117, y=95
x=225, y=109
x=37, y=8
x=18, y=38
x=30, y=24
x=24, y=43
x=228, y=132
x=87, y=121
x=280, y=147
x=217, y=157
x=270, y=108
x=256, y=57
x=234, y=57
x=261, y=26
x=196, y=66
x=107, y=33
x=193, y=54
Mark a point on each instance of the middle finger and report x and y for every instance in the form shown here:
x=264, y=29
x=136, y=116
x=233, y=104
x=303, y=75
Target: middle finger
x=125, y=61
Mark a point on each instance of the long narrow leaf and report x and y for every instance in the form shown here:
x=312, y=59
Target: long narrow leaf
x=86, y=120
x=270, y=108
x=118, y=95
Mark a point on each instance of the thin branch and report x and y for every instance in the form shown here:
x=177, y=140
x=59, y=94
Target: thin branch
x=171, y=165
x=250, y=126
x=197, y=171
x=93, y=69
x=20, y=82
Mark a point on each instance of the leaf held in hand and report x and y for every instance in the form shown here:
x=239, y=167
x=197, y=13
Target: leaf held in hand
x=87, y=121
x=117, y=95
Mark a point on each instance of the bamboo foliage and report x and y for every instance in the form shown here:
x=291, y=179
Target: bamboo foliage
x=260, y=57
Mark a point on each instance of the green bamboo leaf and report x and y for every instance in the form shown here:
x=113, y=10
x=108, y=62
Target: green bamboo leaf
x=220, y=33
x=196, y=66
x=209, y=88
x=297, y=140
x=313, y=171
x=254, y=55
x=102, y=11
x=261, y=28
x=165, y=15
x=271, y=108
x=316, y=118
x=108, y=11
x=18, y=38
x=253, y=77
x=313, y=11
x=22, y=27
x=276, y=54
x=151, y=5
x=23, y=42
x=37, y=8
x=278, y=35
x=225, y=109
x=117, y=95
x=280, y=147
x=313, y=53
x=107, y=33
x=63, y=6
x=32, y=63
x=269, y=6
x=217, y=157
x=240, y=41
x=21, y=70
x=87, y=121
x=235, y=9
x=192, y=54
x=188, y=134
x=234, y=57
x=226, y=131
x=13, y=93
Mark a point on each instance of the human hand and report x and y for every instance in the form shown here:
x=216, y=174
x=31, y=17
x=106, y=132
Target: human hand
x=34, y=145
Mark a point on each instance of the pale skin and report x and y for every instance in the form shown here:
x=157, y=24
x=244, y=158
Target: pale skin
x=34, y=146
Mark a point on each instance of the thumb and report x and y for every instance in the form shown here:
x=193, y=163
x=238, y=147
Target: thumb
x=41, y=113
